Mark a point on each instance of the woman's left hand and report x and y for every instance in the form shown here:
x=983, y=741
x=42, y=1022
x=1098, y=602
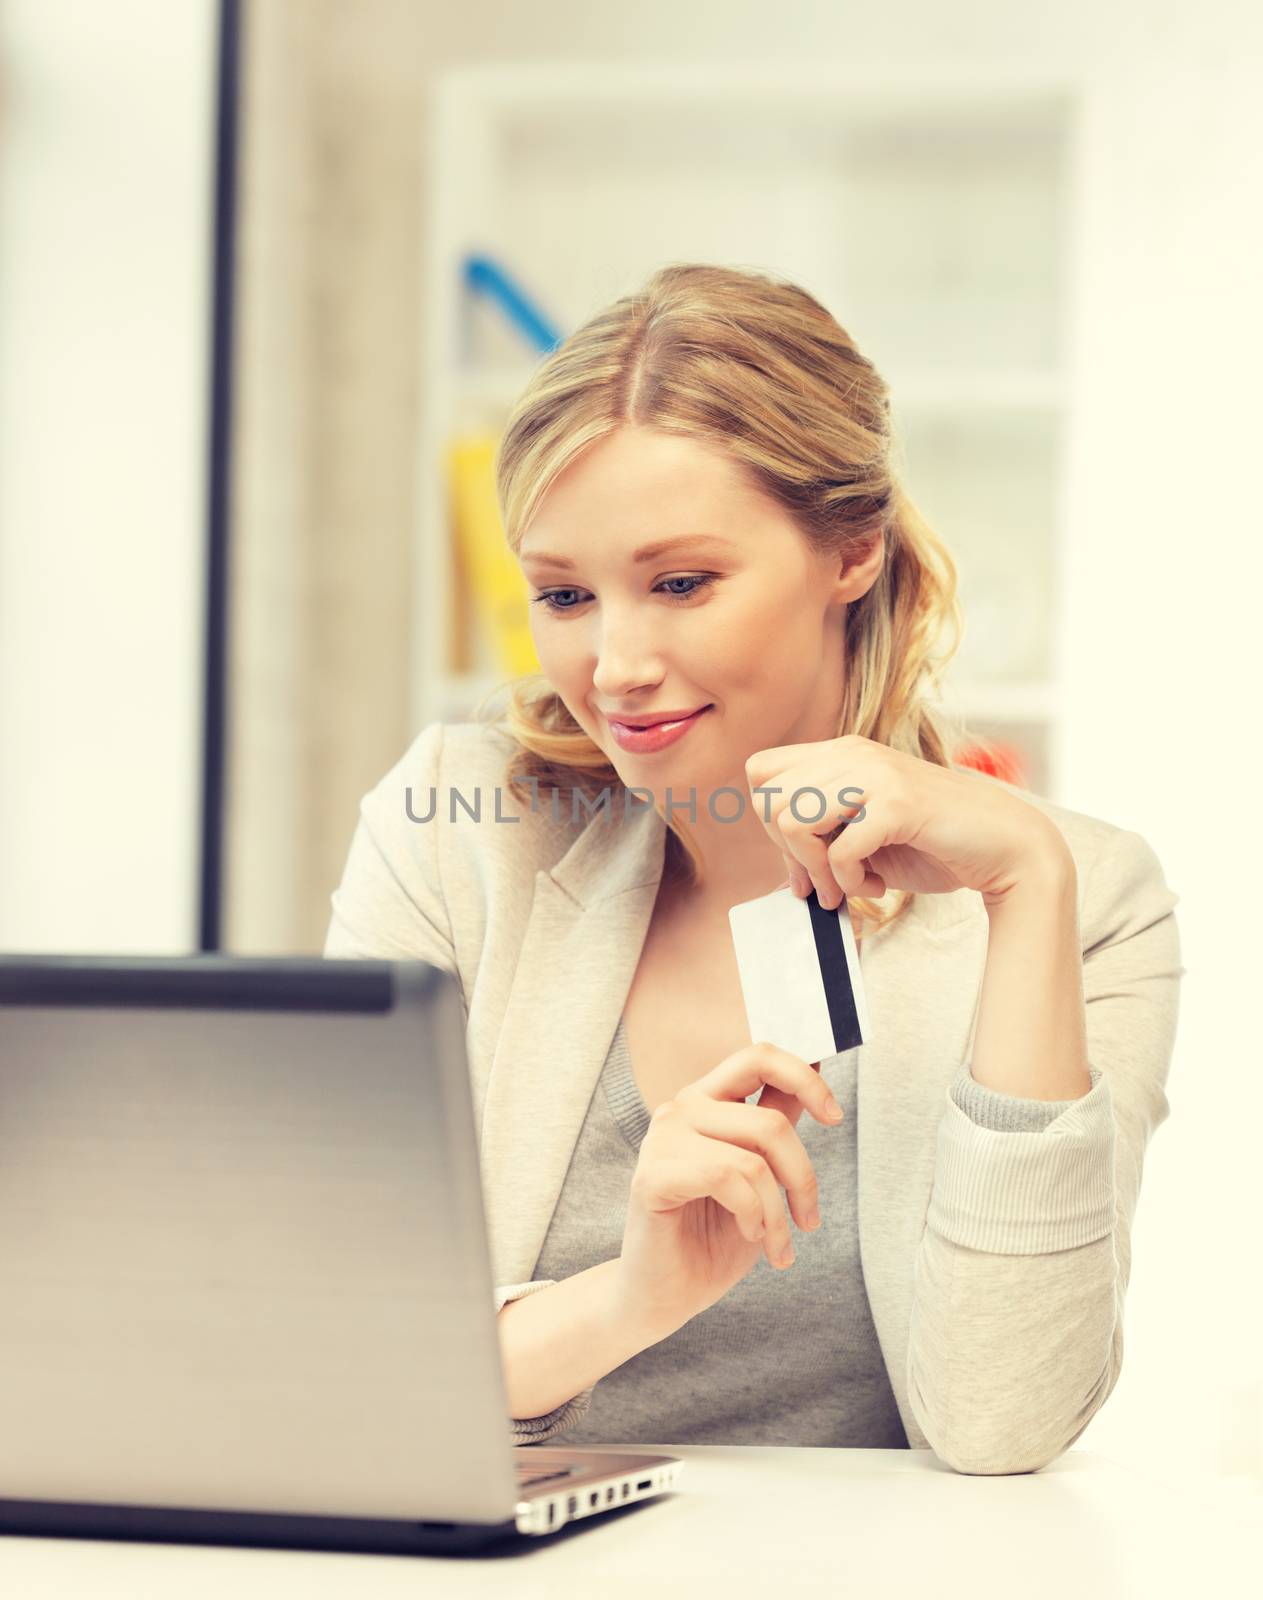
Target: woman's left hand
x=900, y=823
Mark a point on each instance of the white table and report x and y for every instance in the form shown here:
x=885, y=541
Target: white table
x=774, y=1524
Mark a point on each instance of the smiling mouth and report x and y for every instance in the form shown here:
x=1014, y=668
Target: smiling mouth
x=658, y=722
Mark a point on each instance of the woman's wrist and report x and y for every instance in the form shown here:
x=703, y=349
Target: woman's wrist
x=561, y=1340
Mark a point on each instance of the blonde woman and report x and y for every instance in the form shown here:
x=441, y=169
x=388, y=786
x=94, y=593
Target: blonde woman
x=698, y=486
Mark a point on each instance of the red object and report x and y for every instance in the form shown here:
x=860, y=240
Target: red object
x=999, y=760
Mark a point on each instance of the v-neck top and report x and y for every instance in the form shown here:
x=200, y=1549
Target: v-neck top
x=788, y=1358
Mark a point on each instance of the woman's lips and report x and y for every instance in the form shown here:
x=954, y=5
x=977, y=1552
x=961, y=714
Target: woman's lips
x=644, y=740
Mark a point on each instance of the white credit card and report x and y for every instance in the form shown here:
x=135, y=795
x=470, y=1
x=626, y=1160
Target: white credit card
x=800, y=974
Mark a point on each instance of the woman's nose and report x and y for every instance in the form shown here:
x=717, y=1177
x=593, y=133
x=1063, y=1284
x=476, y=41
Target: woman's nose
x=626, y=660
x=618, y=680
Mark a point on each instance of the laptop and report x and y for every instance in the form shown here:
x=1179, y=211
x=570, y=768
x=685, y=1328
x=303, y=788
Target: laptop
x=246, y=1291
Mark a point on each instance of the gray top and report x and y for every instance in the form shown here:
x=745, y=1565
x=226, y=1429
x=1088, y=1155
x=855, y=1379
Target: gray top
x=784, y=1358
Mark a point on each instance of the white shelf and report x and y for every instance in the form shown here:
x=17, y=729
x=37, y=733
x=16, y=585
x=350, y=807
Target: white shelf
x=833, y=95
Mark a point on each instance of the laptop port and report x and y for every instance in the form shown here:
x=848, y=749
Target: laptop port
x=645, y=1483
x=572, y=1505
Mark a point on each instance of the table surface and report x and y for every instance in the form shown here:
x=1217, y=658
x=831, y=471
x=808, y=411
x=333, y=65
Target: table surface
x=759, y=1521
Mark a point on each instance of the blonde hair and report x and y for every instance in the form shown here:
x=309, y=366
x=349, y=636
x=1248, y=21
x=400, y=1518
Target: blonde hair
x=760, y=368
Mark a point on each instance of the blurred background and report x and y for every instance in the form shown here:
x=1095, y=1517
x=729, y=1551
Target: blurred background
x=273, y=271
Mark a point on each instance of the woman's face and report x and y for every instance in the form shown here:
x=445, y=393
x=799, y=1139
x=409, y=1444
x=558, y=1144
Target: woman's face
x=740, y=617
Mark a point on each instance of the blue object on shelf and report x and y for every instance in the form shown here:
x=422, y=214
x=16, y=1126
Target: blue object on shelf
x=484, y=276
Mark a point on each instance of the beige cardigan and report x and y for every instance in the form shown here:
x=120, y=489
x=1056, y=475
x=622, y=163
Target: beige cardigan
x=996, y=1263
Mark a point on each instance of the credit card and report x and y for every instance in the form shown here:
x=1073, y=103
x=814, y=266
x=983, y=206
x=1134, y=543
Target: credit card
x=800, y=974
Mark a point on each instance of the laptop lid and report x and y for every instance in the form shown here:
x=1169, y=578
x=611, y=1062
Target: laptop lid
x=243, y=1255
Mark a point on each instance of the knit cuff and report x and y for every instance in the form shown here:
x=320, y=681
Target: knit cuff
x=535, y=1430
x=1006, y=1113
x=1024, y=1192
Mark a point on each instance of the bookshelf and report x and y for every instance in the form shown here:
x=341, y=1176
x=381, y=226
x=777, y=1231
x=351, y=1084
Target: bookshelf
x=931, y=214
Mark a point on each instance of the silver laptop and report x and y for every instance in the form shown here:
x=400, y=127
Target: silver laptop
x=245, y=1283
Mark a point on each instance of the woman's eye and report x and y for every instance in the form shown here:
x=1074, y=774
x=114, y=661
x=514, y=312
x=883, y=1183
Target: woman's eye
x=698, y=581
x=549, y=599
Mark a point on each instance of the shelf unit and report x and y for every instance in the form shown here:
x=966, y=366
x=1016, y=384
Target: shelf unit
x=931, y=214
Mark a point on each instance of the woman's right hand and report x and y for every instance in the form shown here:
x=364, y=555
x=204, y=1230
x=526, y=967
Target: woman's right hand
x=705, y=1198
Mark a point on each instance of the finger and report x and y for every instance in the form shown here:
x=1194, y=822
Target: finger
x=674, y=1175
x=799, y=878
x=719, y=1162
x=764, y=766
x=809, y=853
x=777, y=1243
x=737, y=1076
x=738, y=1195
x=769, y=1134
x=848, y=863
x=811, y=844
x=796, y=878
x=775, y=810
x=791, y=1105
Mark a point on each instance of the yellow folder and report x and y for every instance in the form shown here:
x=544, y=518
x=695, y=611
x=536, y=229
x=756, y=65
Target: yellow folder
x=497, y=589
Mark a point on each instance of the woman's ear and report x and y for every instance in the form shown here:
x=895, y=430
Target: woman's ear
x=856, y=577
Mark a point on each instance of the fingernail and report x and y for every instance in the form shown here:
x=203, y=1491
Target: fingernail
x=832, y=1108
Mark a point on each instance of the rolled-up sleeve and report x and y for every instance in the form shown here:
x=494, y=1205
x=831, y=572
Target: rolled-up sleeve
x=537, y=1430
x=1020, y=1277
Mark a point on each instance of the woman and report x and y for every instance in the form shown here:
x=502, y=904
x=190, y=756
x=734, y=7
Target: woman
x=698, y=487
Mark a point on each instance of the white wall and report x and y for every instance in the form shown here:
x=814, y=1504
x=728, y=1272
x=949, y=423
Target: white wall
x=1165, y=572
x=106, y=130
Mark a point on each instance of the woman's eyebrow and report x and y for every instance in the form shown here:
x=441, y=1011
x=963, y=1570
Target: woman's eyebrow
x=646, y=552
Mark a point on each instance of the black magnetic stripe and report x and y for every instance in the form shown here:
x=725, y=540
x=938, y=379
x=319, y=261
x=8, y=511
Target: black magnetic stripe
x=834, y=973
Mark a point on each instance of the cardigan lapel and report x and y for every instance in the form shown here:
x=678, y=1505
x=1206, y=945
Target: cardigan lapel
x=587, y=925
